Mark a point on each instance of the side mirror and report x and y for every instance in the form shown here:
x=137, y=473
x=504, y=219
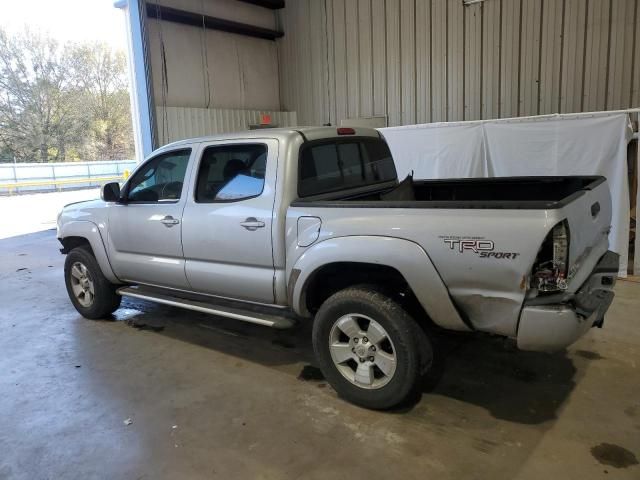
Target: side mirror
x=110, y=192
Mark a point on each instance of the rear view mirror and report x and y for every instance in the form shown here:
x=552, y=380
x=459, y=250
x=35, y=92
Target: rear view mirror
x=110, y=192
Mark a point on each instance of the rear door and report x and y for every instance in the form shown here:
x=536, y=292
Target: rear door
x=145, y=238
x=227, y=226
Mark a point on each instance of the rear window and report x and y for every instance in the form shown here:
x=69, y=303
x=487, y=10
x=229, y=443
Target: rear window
x=338, y=164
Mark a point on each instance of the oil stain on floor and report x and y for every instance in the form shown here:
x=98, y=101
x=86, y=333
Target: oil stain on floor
x=589, y=355
x=614, y=455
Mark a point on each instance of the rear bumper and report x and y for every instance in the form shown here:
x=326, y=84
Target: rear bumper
x=554, y=322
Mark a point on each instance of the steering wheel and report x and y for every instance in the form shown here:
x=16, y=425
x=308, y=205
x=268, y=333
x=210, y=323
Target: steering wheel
x=171, y=190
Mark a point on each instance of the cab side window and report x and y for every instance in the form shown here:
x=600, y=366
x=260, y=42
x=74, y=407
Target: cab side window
x=160, y=179
x=231, y=172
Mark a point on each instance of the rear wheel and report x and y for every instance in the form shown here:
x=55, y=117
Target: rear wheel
x=91, y=293
x=369, y=348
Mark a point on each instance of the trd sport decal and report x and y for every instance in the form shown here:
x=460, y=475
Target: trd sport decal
x=479, y=245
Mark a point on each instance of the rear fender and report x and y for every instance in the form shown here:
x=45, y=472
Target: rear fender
x=405, y=256
x=90, y=231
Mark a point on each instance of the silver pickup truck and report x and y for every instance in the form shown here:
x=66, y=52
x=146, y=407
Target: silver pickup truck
x=278, y=226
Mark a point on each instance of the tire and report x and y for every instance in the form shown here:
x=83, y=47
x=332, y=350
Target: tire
x=358, y=367
x=98, y=297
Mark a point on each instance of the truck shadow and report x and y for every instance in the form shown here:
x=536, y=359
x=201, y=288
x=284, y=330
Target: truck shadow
x=512, y=385
x=489, y=372
x=254, y=343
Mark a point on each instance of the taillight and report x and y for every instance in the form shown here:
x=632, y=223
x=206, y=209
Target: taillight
x=549, y=273
x=561, y=245
x=346, y=131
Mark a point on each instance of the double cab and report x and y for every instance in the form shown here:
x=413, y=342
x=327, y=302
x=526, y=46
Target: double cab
x=282, y=226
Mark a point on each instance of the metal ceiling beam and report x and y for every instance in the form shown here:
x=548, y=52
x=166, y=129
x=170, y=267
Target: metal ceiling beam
x=183, y=17
x=272, y=4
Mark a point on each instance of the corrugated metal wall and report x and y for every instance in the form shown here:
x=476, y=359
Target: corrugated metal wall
x=177, y=123
x=195, y=68
x=420, y=61
x=224, y=70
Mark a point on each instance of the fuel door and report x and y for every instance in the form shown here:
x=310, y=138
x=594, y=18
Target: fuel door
x=308, y=230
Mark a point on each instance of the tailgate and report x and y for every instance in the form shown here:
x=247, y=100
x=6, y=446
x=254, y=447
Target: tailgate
x=588, y=215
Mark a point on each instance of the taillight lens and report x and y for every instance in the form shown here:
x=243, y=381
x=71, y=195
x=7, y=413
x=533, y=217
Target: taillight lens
x=561, y=245
x=550, y=270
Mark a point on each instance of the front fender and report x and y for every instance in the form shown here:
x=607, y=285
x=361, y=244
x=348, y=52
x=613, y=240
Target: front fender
x=90, y=231
x=405, y=256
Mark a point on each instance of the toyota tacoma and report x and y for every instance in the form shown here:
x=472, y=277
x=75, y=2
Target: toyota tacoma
x=280, y=226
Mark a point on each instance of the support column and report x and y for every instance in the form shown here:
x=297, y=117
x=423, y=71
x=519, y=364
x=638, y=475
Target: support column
x=140, y=83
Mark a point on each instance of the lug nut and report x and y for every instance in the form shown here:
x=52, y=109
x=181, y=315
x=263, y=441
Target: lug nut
x=355, y=340
x=353, y=350
x=371, y=359
x=362, y=360
x=365, y=340
x=372, y=348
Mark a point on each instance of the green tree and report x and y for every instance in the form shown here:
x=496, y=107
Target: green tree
x=5, y=156
x=64, y=102
x=102, y=74
x=39, y=111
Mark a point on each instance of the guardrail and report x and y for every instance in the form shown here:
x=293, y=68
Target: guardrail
x=50, y=177
x=10, y=187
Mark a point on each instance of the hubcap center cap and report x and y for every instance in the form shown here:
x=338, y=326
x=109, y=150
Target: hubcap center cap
x=361, y=351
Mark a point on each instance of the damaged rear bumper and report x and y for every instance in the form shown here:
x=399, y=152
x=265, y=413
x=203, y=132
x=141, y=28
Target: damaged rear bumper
x=554, y=322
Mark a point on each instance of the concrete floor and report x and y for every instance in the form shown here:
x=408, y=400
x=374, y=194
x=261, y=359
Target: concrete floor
x=210, y=398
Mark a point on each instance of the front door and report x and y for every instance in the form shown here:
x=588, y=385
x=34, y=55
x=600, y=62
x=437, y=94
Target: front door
x=226, y=230
x=145, y=238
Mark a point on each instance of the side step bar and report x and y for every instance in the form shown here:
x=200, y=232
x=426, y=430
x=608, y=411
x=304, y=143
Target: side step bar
x=245, y=315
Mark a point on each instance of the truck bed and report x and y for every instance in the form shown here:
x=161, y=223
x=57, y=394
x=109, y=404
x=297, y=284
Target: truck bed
x=519, y=213
x=486, y=193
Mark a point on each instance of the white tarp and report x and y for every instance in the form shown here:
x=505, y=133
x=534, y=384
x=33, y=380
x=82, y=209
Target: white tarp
x=569, y=144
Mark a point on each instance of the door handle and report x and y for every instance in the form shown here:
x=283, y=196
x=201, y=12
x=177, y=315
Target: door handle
x=169, y=221
x=252, y=224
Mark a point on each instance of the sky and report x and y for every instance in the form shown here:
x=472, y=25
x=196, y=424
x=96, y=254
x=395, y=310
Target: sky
x=67, y=20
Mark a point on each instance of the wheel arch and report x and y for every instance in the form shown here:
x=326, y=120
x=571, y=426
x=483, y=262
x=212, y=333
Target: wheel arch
x=78, y=233
x=71, y=242
x=384, y=261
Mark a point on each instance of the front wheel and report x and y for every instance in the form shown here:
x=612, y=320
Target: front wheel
x=369, y=348
x=89, y=290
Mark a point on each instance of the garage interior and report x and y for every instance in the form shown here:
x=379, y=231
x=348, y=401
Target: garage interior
x=160, y=392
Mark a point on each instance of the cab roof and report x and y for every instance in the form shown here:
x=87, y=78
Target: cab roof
x=308, y=133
